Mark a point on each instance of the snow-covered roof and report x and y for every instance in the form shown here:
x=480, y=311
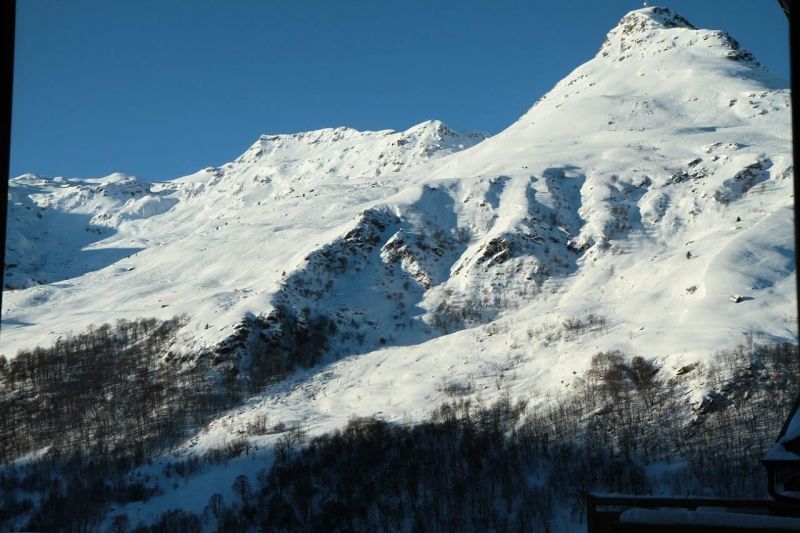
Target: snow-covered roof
x=708, y=518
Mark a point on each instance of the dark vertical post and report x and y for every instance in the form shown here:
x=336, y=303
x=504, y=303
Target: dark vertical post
x=794, y=45
x=7, y=24
x=591, y=509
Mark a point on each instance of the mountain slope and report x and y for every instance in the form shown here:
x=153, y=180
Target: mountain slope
x=655, y=176
x=672, y=142
x=202, y=244
x=643, y=205
x=636, y=198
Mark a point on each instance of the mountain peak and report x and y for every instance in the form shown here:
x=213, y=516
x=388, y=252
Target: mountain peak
x=640, y=27
x=433, y=126
x=653, y=30
x=654, y=17
x=425, y=138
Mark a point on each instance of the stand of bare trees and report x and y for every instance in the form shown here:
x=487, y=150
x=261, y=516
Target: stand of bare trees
x=78, y=417
x=510, y=466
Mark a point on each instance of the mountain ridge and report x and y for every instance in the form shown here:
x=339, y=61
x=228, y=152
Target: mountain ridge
x=642, y=206
x=656, y=181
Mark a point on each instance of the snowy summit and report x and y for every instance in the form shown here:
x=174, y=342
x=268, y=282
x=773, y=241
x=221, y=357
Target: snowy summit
x=672, y=142
x=634, y=199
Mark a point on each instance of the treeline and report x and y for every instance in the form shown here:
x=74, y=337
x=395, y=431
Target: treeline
x=95, y=406
x=111, y=391
x=78, y=416
x=514, y=467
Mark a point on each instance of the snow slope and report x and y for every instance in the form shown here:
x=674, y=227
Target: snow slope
x=214, y=244
x=639, y=195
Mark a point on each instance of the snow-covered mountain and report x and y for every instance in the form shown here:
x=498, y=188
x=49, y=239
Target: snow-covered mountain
x=214, y=245
x=624, y=210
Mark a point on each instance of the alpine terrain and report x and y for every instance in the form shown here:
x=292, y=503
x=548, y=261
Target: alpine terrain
x=634, y=227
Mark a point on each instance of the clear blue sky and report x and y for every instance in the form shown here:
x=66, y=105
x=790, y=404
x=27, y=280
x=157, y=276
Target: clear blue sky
x=161, y=88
